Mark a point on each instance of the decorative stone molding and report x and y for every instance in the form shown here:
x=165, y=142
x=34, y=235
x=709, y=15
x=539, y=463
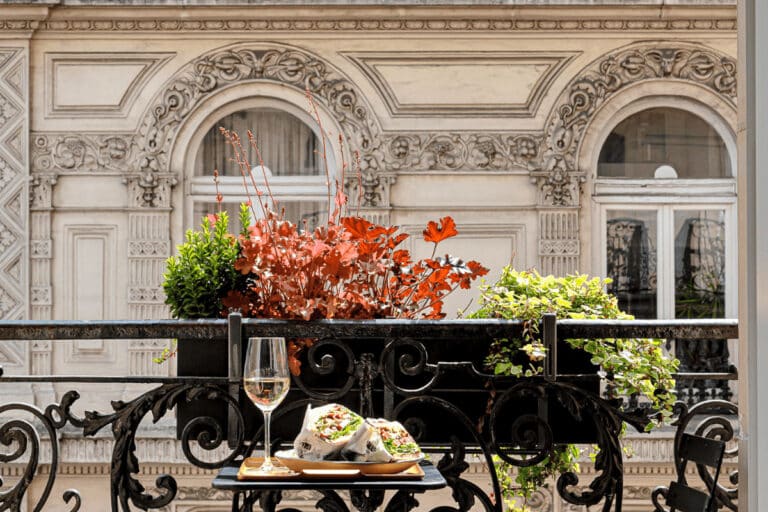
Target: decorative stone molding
x=408, y=152
x=42, y=295
x=41, y=357
x=128, y=73
x=14, y=170
x=557, y=173
x=142, y=354
x=558, y=176
x=143, y=158
x=559, y=241
x=83, y=153
x=148, y=248
x=144, y=294
x=40, y=248
x=41, y=191
x=405, y=24
x=209, y=73
x=150, y=189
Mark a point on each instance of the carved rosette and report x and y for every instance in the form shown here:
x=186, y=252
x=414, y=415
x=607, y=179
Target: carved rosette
x=87, y=153
x=460, y=151
x=558, y=176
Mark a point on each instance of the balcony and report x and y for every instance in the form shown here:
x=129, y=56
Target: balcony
x=427, y=374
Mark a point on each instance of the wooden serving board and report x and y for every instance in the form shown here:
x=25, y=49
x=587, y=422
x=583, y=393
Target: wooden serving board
x=249, y=470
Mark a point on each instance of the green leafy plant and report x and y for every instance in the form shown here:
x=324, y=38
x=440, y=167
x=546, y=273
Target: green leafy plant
x=203, y=271
x=634, y=366
x=517, y=492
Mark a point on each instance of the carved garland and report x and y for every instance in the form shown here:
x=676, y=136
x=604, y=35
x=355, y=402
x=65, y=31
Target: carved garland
x=550, y=158
x=558, y=177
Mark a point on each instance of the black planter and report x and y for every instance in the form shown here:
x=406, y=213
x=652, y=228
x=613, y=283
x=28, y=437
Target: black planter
x=209, y=358
x=439, y=426
x=201, y=358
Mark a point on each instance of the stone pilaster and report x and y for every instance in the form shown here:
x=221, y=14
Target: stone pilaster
x=559, y=241
x=148, y=248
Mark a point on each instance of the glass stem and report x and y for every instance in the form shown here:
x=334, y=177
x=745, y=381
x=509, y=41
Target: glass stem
x=267, y=457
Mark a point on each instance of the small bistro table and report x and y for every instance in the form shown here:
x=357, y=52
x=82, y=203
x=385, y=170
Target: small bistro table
x=366, y=493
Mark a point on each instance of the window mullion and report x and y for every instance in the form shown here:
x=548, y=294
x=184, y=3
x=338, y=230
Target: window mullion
x=666, y=263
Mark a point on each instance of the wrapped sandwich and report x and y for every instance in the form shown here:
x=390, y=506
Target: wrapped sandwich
x=379, y=440
x=325, y=431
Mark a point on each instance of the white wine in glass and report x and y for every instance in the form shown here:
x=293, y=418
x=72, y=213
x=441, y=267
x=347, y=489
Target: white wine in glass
x=266, y=380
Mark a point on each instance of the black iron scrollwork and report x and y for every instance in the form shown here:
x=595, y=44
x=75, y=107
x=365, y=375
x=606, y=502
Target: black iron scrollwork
x=416, y=390
x=532, y=439
x=324, y=360
x=25, y=437
x=453, y=464
x=125, y=422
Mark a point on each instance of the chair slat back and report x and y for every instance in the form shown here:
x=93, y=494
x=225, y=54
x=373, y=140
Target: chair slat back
x=702, y=450
x=686, y=499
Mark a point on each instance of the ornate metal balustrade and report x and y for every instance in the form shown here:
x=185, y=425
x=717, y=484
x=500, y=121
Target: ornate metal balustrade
x=427, y=374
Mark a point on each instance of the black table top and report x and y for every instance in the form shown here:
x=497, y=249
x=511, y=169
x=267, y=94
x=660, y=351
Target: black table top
x=227, y=480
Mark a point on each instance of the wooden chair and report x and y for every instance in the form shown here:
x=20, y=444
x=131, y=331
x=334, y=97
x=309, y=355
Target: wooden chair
x=702, y=451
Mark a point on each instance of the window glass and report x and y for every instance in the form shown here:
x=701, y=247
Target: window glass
x=700, y=264
x=287, y=145
x=658, y=137
x=290, y=152
x=631, y=260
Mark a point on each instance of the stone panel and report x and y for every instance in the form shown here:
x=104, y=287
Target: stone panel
x=108, y=83
x=14, y=171
x=472, y=84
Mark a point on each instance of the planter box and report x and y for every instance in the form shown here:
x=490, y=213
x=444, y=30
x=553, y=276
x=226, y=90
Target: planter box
x=209, y=358
x=438, y=425
x=201, y=358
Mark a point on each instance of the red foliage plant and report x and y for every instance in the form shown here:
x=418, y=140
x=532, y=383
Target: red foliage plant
x=347, y=268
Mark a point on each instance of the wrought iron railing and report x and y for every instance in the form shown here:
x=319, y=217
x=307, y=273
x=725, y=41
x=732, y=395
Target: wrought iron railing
x=427, y=374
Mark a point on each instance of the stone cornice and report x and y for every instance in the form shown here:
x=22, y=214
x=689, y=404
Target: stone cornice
x=457, y=18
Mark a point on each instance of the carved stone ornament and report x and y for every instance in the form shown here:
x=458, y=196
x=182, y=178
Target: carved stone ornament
x=558, y=177
x=62, y=153
x=350, y=23
x=13, y=175
x=209, y=73
x=460, y=151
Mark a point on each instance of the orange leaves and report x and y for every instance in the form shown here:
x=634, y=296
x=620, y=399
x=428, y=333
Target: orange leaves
x=353, y=269
x=294, y=349
x=361, y=228
x=437, y=233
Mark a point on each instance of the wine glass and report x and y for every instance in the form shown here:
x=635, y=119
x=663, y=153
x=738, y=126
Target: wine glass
x=266, y=381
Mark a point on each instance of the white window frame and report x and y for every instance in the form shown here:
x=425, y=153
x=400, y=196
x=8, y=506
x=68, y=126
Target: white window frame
x=666, y=197
x=201, y=189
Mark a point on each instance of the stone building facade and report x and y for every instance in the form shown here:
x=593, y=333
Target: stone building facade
x=497, y=114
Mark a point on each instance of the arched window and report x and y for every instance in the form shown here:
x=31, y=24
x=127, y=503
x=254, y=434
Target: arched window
x=666, y=200
x=291, y=152
x=660, y=138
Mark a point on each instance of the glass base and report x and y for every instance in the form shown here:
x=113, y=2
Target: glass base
x=273, y=469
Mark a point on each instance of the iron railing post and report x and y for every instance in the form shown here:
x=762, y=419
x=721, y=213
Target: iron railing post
x=235, y=371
